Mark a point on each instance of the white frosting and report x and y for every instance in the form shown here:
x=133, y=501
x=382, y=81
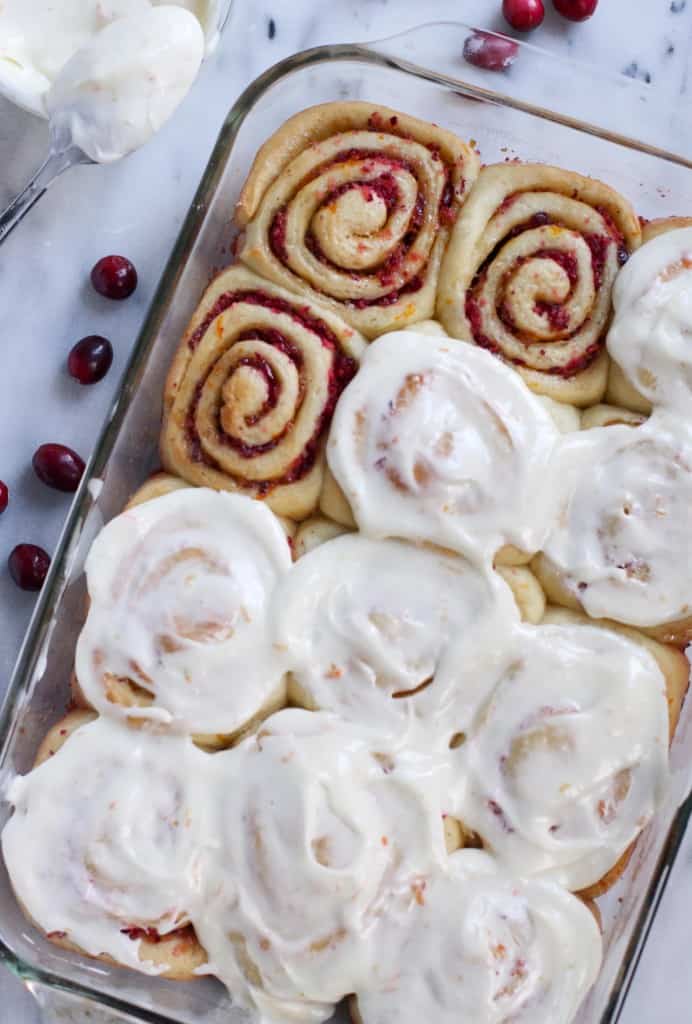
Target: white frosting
x=437, y=440
x=569, y=759
x=369, y=622
x=118, y=89
x=623, y=540
x=321, y=830
x=482, y=947
x=182, y=603
x=106, y=836
x=651, y=334
x=108, y=85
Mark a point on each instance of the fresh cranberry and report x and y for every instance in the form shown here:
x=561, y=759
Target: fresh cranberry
x=28, y=565
x=90, y=359
x=58, y=466
x=4, y=496
x=575, y=10
x=494, y=53
x=114, y=277
x=523, y=15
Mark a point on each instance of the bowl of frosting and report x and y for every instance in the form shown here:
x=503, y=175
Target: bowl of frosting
x=112, y=71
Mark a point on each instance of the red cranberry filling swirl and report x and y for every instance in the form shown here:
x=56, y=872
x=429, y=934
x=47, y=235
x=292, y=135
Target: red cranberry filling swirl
x=252, y=389
x=529, y=273
x=352, y=205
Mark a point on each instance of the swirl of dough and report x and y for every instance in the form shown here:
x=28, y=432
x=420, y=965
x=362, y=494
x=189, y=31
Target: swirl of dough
x=622, y=546
x=102, y=846
x=482, y=946
x=436, y=440
x=649, y=339
x=351, y=204
x=321, y=826
x=181, y=616
x=387, y=634
x=568, y=761
x=251, y=391
x=529, y=271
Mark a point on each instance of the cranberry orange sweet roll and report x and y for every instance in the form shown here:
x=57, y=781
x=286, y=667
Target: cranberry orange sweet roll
x=621, y=546
x=483, y=946
x=181, y=616
x=649, y=340
x=102, y=847
x=351, y=204
x=529, y=272
x=436, y=440
x=251, y=391
x=568, y=761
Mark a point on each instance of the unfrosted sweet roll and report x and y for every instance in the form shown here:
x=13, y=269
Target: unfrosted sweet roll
x=529, y=271
x=251, y=391
x=387, y=634
x=102, y=846
x=181, y=616
x=483, y=946
x=321, y=825
x=568, y=761
x=350, y=204
x=621, y=547
x=649, y=340
x=436, y=440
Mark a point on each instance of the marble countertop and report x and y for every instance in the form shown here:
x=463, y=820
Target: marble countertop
x=136, y=208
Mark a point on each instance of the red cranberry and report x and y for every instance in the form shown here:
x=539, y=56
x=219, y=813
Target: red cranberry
x=58, y=466
x=523, y=15
x=114, y=277
x=4, y=496
x=494, y=53
x=28, y=565
x=90, y=359
x=575, y=10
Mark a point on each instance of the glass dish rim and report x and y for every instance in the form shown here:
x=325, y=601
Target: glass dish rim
x=39, y=625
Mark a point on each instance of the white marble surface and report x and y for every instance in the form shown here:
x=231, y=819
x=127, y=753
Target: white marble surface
x=136, y=208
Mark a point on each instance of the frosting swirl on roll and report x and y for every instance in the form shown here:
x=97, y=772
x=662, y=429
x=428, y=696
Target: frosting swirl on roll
x=181, y=619
x=484, y=947
x=389, y=635
x=529, y=271
x=622, y=544
x=568, y=761
x=351, y=204
x=436, y=440
x=102, y=848
x=650, y=335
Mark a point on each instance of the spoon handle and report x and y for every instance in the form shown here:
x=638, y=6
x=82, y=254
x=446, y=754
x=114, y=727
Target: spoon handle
x=52, y=167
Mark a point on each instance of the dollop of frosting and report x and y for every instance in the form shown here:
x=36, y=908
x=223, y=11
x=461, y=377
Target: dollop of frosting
x=436, y=440
x=622, y=541
x=182, y=590
x=393, y=635
x=105, y=838
x=482, y=947
x=568, y=760
x=651, y=333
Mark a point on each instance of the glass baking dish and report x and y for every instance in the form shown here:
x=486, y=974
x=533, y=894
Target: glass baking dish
x=535, y=116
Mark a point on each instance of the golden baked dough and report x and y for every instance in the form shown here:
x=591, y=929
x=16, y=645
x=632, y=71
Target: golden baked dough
x=527, y=591
x=313, y=532
x=610, y=415
x=532, y=259
x=350, y=204
x=251, y=390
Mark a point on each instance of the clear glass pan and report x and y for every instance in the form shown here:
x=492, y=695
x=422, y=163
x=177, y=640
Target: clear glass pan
x=535, y=116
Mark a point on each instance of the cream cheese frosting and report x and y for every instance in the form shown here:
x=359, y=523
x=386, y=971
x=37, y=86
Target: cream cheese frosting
x=106, y=836
x=484, y=947
x=651, y=334
x=182, y=605
x=568, y=761
x=622, y=541
x=437, y=440
x=392, y=635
